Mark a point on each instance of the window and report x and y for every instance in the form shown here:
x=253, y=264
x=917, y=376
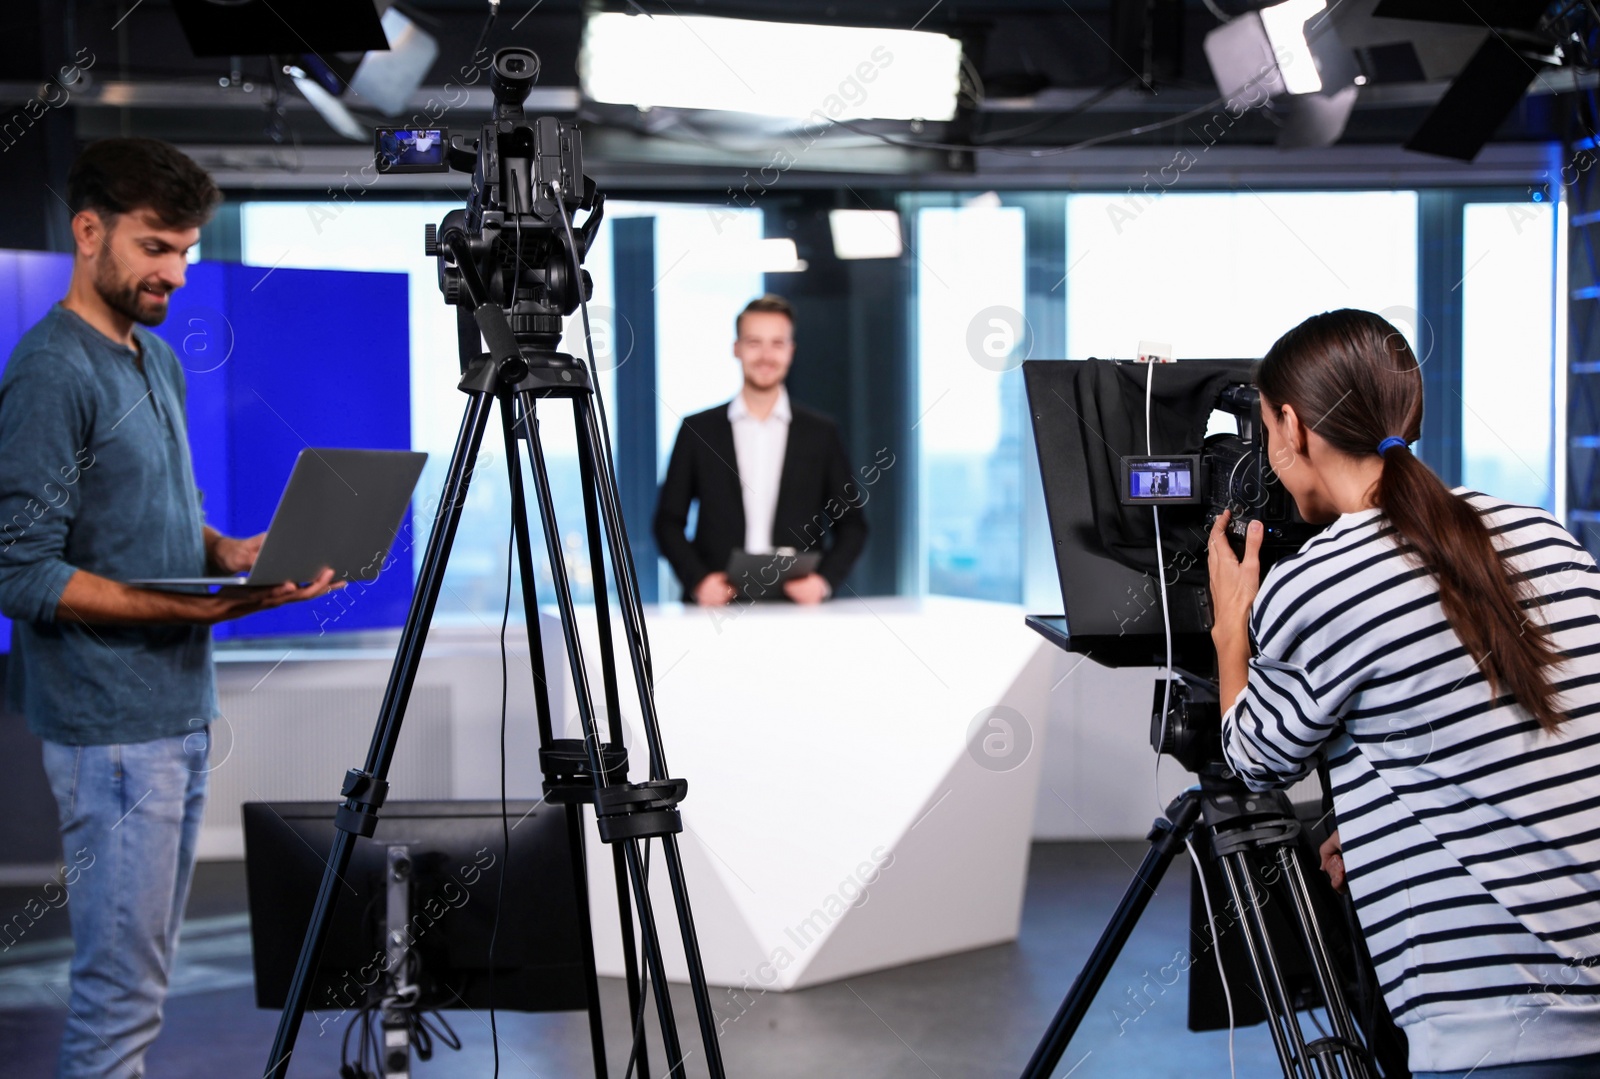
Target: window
x=707, y=268
x=1224, y=275
x=1508, y=350
x=1210, y=274
x=388, y=236
x=971, y=337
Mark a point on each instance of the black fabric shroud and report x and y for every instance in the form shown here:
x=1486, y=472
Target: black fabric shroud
x=1111, y=396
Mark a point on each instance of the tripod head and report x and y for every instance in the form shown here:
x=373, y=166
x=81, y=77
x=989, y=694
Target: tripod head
x=1189, y=728
x=507, y=248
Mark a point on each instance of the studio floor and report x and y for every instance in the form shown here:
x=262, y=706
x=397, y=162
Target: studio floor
x=974, y=1014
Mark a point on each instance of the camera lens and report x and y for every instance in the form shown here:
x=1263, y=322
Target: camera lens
x=516, y=65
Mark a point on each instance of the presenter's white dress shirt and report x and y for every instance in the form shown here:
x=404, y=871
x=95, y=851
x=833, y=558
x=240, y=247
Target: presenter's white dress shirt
x=759, y=446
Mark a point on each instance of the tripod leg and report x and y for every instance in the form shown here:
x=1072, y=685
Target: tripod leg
x=530, y=595
x=541, y=693
x=580, y=682
x=627, y=587
x=630, y=954
x=691, y=951
x=1281, y=1019
x=575, y=813
x=589, y=436
x=591, y=981
x=597, y=564
x=364, y=789
x=1166, y=839
x=608, y=670
x=1351, y=1054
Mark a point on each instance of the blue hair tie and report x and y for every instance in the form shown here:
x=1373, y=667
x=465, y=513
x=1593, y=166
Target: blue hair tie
x=1389, y=443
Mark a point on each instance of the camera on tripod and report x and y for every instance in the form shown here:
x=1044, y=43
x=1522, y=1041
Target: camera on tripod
x=507, y=245
x=1105, y=464
x=1230, y=474
x=1117, y=440
x=511, y=262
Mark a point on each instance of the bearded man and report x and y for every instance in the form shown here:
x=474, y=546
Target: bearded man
x=97, y=488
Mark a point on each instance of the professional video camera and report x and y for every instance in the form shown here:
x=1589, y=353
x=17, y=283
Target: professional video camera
x=1114, y=440
x=1105, y=465
x=527, y=182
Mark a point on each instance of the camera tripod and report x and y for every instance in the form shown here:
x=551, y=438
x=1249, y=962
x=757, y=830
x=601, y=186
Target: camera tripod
x=520, y=370
x=1247, y=831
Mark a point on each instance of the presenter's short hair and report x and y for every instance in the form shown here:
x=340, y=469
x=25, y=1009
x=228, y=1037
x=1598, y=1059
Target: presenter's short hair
x=769, y=304
x=115, y=176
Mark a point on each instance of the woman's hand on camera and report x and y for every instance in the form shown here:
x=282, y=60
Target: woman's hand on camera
x=1234, y=582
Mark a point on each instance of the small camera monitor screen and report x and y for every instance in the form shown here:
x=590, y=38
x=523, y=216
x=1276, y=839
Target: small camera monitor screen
x=1160, y=480
x=411, y=149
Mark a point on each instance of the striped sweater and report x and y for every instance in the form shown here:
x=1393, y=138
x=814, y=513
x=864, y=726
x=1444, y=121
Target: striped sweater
x=1471, y=838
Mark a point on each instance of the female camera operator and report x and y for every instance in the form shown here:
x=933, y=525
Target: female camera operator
x=1442, y=649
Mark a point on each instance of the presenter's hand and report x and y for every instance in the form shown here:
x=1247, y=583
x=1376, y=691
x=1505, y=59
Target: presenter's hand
x=236, y=555
x=1234, y=583
x=230, y=603
x=1333, y=861
x=812, y=588
x=714, y=591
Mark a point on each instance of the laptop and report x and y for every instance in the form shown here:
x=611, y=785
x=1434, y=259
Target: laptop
x=340, y=510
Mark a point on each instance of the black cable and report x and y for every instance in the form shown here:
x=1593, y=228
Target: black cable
x=440, y=1028
x=494, y=13
x=505, y=827
x=913, y=144
x=375, y=1033
x=1002, y=137
x=344, y=1046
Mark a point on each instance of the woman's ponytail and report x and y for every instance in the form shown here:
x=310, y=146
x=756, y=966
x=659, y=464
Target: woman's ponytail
x=1356, y=372
x=1446, y=535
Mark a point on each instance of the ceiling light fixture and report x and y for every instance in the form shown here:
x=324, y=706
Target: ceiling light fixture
x=791, y=70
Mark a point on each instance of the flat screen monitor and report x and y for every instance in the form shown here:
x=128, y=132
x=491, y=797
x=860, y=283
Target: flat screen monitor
x=458, y=865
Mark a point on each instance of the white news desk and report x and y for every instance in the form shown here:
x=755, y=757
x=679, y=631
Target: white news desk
x=862, y=778
x=862, y=775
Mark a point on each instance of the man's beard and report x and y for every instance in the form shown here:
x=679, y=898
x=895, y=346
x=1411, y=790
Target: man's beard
x=127, y=297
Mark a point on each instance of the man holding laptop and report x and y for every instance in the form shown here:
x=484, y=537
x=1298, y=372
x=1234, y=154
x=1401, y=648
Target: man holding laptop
x=771, y=479
x=96, y=489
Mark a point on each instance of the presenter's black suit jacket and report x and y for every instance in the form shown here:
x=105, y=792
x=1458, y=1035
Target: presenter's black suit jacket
x=815, y=497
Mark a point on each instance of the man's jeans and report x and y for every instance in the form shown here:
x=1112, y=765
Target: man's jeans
x=130, y=817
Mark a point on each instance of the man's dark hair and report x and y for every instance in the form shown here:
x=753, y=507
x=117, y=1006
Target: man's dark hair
x=116, y=176
x=764, y=305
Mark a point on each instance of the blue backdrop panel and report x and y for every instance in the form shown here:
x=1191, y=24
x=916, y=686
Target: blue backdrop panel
x=319, y=358
x=275, y=361
x=10, y=298
x=30, y=281
x=201, y=336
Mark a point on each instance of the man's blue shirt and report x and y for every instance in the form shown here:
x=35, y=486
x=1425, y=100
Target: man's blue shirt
x=95, y=475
